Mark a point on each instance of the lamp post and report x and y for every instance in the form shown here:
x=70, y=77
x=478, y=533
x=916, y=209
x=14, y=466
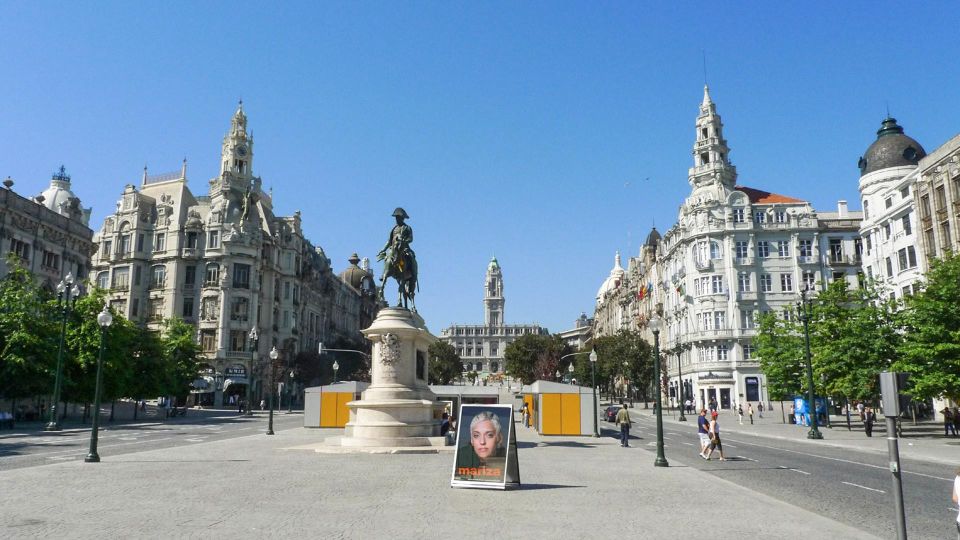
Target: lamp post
x=104, y=319
x=290, y=393
x=336, y=367
x=66, y=298
x=654, y=326
x=570, y=371
x=254, y=349
x=558, y=375
x=593, y=374
x=681, y=402
x=274, y=354
x=803, y=307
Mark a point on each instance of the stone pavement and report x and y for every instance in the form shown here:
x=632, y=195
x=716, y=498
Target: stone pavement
x=259, y=486
x=927, y=445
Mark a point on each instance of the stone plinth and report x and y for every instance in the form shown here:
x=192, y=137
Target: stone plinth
x=397, y=409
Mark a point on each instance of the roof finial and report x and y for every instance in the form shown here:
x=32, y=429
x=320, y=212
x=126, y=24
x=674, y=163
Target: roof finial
x=704, y=52
x=888, y=109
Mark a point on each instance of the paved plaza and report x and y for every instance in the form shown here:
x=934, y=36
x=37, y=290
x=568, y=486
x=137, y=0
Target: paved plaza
x=260, y=486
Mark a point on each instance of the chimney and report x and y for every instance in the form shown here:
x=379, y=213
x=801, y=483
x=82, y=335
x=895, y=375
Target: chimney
x=842, y=208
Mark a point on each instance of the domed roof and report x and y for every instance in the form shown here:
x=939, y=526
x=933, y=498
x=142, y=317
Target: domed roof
x=58, y=196
x=354, y=275
x=613, y=280
x=653, y=239
x=891, y=149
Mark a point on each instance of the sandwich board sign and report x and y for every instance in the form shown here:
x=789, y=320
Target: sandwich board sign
x=486, y=452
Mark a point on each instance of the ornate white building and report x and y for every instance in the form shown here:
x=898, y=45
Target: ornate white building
x=49, y=232
x=481, y=346
x=734, y=253
x=227, y=264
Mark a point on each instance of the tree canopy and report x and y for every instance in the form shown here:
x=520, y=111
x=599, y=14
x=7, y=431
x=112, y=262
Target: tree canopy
x=531, y=357
x=445, y=364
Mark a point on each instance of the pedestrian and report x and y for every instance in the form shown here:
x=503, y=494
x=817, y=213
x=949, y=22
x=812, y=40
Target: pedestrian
x=143, y=405
x=956, y=498
x=793, y=411
x=948, y=426
x=714, y=433
x=956, y=421
x=239, y=405
x=713, y=405
x=703, y=426
x=868, y=419
x=750, y=412
x=860, y=410
x=263, y=404
x=760, y=409
x=740, y=413
x=525, y=412
x=623, y=418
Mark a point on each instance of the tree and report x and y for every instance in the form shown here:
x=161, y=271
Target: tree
x=779, y=346
x=181, y=354
x=29, y=333
x=930, y=351
x=445, y=364
x=533, y=357
x=626, y=353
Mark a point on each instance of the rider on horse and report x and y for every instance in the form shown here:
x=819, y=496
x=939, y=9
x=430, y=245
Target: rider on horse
x=399, y=261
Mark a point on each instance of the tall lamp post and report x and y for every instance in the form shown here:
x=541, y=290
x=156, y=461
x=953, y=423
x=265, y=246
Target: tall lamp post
x=290, y=394
x=104, y=319
x=274, y=354
x=254, y=349
x=803, y=308
x=654, y=326
x=66, y=298
x=593, y=374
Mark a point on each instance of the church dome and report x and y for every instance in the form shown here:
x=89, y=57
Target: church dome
x=653, y=239
x=891, y=149
x=613, y=280
x=354, y=275
x=58, y=196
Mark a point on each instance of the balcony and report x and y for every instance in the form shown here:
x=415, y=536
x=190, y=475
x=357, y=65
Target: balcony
x=703, y=266
x=747, y=296
x=120, y=287
x=157, y=285
x=806, y=259
x=743, y=261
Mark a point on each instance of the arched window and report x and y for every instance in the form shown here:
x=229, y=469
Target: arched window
x=103, y=279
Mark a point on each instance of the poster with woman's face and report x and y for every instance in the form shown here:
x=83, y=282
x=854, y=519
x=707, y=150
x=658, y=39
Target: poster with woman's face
x=483, y=436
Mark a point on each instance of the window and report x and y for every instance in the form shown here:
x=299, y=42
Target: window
x=239, y=309
x=888, y=202
x=212, y=277
x=925, y=206
x=806, y=247
x=780, y=216
x=911, y=256
x=748, y=355
x=759, y=216
x=286, y=290
x=886, y=231
x=191, y=240
x=889, y=267
x=51, y=260
x=907, y=257
x=241, y=276
x=716, y=284
x=121, y=278
x=119, y=306
x=286, y=319
x=940, y=198
x=786, y=282
x=124, y=244
x=866, y=209
x=214, y=240
x=135, y=307
x=209, y=308
x=869, y=239
x=190, y=275
x=908, y=290
x=139, y=242
x=766, y=282
x=738, y=215
x=741, y=249
x=155, y=309
x=905, y=223
x=159, y=242
x=905, y=192
x=723, y=351
x=103, y=279
x=809, y=280
x=714, y=250
x=238, y=340
x=747, y=320
x=858, y=247
x=187, y=312
x=763, y=249
x=107, y=248
x=158, y=276
x=783, y=248
x=208, y=340
x=719, y=320
x=743, y=282
x=836, y=250
x=494, y=349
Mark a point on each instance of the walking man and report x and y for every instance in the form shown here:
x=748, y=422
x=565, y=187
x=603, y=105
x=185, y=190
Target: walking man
x=623, y=418
x=948, y=422
x=868, y=419
x=740, y=413
x=703, y=426
x=760, y=409
x=750, y=412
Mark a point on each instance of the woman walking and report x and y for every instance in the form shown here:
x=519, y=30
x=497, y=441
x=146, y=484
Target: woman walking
x=715, y=438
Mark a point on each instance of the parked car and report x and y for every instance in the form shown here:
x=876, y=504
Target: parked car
x=610, y=414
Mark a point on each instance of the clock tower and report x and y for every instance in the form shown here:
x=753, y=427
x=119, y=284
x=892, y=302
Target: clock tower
x=493, y=295
x=237, y=152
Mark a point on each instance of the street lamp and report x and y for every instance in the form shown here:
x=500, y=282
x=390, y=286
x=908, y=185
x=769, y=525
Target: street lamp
x=290, y=394
x=654, y=326
x=681, y=402
x=274, y=354
x=558, y=375
x=254, y=349
x=336, y=367
x=803, y=308
x=66, y=298
x=104, y=319
x=593, y=373
x=570, y=371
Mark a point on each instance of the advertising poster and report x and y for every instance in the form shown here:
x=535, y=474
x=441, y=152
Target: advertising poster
x=486, y=453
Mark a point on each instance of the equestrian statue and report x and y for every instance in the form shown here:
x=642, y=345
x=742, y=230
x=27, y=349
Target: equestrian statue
x=399, y=261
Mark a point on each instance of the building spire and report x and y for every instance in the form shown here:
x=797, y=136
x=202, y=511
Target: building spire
x=706, y=97
x=711, y=163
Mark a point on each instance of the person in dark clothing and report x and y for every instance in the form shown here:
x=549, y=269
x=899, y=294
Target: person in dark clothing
x=868, y=419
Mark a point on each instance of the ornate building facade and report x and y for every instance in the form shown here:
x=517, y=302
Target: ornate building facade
x=735, y=252
x=49, y=232
x=938, y=194
x=481, y=346
x=226, y=263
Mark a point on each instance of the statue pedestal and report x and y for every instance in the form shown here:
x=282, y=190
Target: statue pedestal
x=398, y=409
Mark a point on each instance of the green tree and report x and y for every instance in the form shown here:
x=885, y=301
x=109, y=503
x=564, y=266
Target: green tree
x=181, y=354
x=445, y=364
x=29, y=333
x=83, y=341
x=779, y=346
x=533, y=357
x=930, y=351
x=625, y=353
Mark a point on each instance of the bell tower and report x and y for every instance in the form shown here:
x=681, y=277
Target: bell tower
x=237, y=152
x=493, y=295
x=711, y=156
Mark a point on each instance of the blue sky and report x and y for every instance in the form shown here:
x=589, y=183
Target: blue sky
x=549, y=134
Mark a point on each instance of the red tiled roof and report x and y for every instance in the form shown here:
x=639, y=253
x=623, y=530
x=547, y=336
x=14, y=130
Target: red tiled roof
x=765, y=197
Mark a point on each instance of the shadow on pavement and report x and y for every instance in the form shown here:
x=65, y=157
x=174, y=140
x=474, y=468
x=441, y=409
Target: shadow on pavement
x=526, y=487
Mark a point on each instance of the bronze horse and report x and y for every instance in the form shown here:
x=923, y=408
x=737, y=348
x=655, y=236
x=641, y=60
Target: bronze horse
x=400, y=262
